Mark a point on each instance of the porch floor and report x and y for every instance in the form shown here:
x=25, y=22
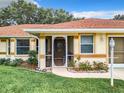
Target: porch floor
x=118, y=73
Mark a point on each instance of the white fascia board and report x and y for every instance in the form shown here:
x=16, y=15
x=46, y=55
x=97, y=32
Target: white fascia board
x=18, y=37
x=102, y=30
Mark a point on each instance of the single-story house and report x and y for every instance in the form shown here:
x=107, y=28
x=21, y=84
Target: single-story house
x=58, y=44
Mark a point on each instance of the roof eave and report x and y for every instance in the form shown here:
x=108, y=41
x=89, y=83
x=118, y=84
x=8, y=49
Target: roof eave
x=18, y=36
x=85, y=30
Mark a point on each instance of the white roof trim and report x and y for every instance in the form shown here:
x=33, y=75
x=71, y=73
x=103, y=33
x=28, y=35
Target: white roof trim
x=102, y=30
x=18, y=36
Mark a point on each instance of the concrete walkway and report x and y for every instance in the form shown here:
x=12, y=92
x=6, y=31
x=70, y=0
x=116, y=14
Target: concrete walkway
x=118, y=74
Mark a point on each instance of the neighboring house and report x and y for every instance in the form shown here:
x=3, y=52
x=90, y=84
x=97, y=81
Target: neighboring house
x=60, y=43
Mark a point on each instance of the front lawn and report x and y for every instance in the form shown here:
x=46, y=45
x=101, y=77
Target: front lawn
x=17, y=80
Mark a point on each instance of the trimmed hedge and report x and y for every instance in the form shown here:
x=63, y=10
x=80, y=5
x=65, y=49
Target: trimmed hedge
x=9, y=62
x=88, y=66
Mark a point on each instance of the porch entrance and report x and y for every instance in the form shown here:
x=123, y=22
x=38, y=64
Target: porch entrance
x=59, y=51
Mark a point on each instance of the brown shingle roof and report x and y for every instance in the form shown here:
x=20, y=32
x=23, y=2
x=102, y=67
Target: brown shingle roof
x=13, y=31
x=17, y=30
x=90, y=23
x=86, y=23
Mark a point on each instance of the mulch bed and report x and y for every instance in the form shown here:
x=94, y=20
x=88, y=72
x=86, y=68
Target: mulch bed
x=27, y=65
x=33, y=67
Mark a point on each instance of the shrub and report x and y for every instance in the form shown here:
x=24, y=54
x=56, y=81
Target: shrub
x=7, y=61
x=12, y=63
x=100, y=66
x=32, y=57
x=2, y=60
x=85, y=66
x=72, y=63
x=16, y=62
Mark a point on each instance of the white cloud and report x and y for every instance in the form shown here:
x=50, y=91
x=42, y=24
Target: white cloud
x=5, y=3
x=97, y=14
x=34, y=2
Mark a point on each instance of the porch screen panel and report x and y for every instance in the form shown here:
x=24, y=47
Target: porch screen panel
x=48, y=51
x=70, y=46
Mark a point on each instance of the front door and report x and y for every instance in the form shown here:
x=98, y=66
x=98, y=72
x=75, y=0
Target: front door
x=59, y=51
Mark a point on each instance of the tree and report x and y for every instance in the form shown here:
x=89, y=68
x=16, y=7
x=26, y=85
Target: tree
x=118, y=17
x=22, y=12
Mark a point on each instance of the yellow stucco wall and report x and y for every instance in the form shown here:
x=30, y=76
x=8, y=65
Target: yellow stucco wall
x=32, y=44
x=99, y=48
x=3, y=46
x=100, y=43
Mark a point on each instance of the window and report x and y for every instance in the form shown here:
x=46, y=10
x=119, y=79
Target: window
x=87, y=44
x=22, y=46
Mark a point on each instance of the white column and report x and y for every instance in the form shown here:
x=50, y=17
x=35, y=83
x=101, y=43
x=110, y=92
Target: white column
x=53, y=51
x=66, y=40
x=42, y=52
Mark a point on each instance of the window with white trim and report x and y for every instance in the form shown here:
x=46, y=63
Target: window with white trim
x=87, y=44
x=23, y=46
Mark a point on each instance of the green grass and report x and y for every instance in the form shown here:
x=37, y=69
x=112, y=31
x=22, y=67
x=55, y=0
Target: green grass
x=17, y=80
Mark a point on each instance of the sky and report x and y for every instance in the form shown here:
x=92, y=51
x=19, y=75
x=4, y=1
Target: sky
x=81, y=8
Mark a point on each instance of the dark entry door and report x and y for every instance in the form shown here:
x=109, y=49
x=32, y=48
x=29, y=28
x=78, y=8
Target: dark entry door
x=59, y=51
